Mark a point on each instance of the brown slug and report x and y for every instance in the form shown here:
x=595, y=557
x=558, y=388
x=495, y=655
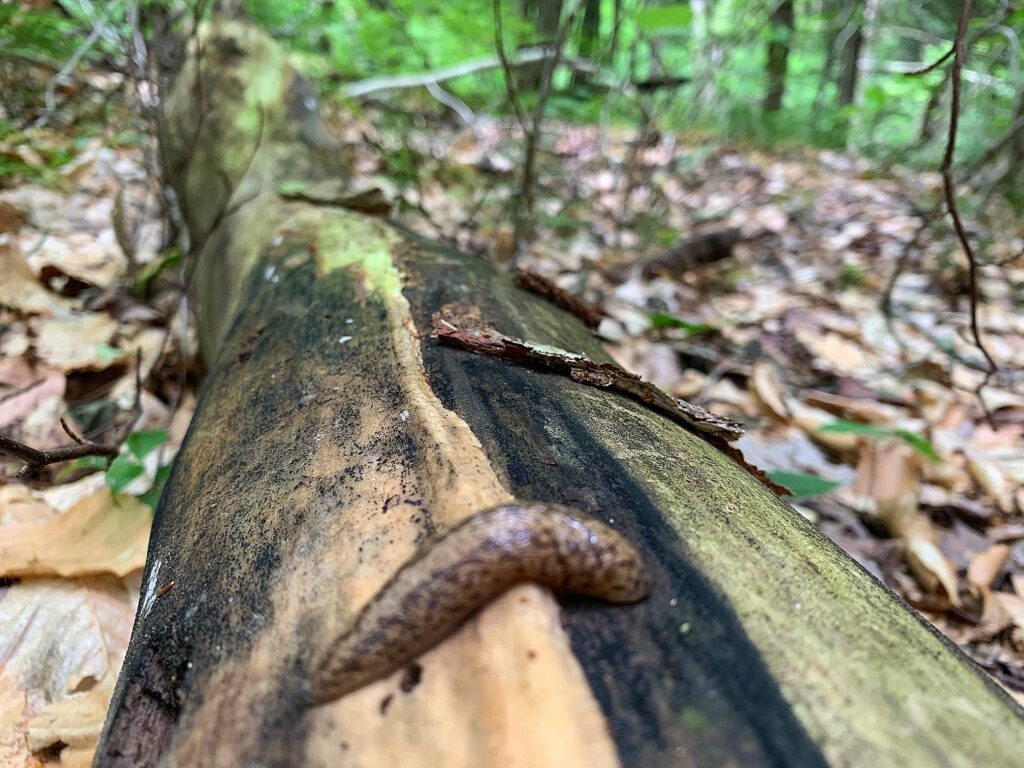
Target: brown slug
x=454, y=576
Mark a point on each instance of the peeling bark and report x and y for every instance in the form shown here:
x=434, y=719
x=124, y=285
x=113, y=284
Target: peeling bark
x=334, y=439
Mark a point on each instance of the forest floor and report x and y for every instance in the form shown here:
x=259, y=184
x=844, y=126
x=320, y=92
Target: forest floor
x=836, y=329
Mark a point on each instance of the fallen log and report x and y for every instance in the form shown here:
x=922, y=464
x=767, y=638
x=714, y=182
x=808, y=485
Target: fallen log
x=336, y=443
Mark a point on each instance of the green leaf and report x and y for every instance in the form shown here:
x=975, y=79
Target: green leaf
x=171, y=259
x=918, y=442
x=875, y=96
x=143, y=443
x=855, y=428
x=664, y=17
x=152, y=497
x=291, y=187
x=122, y=471
x=661, y=321
x=803, y=485
x=90, y=462
x=78, y=465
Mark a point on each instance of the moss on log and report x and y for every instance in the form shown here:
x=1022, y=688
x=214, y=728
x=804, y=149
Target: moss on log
x=334, y=437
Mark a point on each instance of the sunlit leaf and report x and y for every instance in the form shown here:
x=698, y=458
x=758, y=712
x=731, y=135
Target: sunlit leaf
x=918, y=442
x=122, y=471
x=143, y=443
x=664, y=17
x=170, y=259
x=152, y=497
x=661, y=321
x=803, y=485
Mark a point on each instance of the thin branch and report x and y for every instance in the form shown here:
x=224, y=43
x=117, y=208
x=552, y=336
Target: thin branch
x=372, y=85
x=506, y=66
x=949, y=190
x=934, y=65
x=69, y=67
x=36, y=459
x=453, y=102
x=523, y=209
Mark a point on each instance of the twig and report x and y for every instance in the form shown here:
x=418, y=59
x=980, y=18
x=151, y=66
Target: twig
x=948, y=187
x=506, y=66
x=373, y=85
x=69, y=67
x=523, y=207
x=453, y=102
x=934, y=65
x=36, y=459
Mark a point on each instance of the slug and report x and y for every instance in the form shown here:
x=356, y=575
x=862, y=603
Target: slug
x=431, y=595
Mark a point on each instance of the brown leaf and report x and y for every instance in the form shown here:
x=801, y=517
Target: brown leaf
x=97, y=535
x=768, y=390
x=27, y=388
x=888, y=475
x=66, y=643
x=20, y=289
x=985, y=566
x=11, y=217
x=81, y=342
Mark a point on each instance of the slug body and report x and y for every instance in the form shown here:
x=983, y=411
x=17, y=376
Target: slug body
x=432, y=594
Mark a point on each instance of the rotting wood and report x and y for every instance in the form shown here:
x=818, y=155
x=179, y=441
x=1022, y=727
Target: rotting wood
x=334, y=438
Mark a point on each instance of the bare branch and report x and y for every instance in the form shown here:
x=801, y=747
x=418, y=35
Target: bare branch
x=523, y=209
x=372, y=85
x=36, y=459
x=506, y=66
x=934, y=65
x=949, y=189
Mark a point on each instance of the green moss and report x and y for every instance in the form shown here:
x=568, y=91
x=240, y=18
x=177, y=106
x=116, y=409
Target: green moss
x=356, y=241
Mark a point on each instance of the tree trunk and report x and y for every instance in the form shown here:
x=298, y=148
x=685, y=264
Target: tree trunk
x=849, y=57
x=335, y=439
x=783, y=28
x=590, y=32
x=544, y=15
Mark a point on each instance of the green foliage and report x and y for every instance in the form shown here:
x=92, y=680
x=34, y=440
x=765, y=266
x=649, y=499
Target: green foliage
x=661, y=321
x=170, y=258
x=130, y=465
x=723, y=46
x=918, y=442
x=802, y=485
x=664, y=18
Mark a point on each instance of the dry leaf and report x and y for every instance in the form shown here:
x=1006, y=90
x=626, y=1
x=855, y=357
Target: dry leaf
x=984, y=567
x=76, y=343
x=768, y=390
x=21, y=290
x=838, y=353
x=62, y=643
x=888, y=474
x=27, y=388
x=1012, y=606
x=97, y=535
x=999, y=473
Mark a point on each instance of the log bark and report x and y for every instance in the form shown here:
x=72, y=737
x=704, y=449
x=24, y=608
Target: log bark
x=334, y=439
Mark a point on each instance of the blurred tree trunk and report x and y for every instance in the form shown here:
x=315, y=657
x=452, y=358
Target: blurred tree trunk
x=858, y=134
x=543, y=16
x=782, y=30
x=335, y=438
x=849, y=55
x=590, y=32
